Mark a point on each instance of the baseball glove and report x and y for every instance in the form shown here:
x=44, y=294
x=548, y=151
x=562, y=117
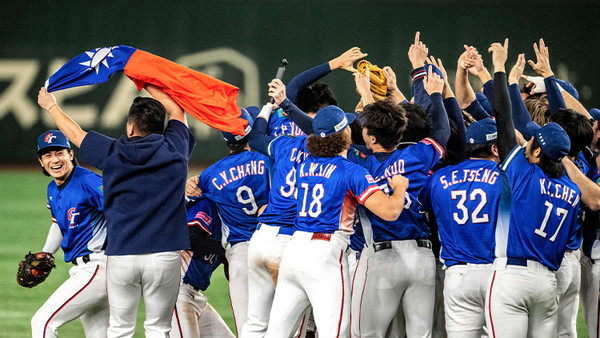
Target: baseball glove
x=376, y=77
x=35, y=268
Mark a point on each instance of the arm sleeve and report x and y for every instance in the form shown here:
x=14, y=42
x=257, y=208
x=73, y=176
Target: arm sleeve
x=503, y=111
x=306, y=78
x=569, y=88
x=258, y=138
x=180, y=137
x=484, y=102
x=488, y=91
x=555, y=99
x=520, y=113
x=417, y=90
x=477, y=111
x=438, y=119
x=202, y=244
x=455, y=114
x=53, y=240
x=95, y=148
x=300, y=118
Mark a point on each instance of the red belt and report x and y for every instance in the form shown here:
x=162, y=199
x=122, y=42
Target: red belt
x=321, y=236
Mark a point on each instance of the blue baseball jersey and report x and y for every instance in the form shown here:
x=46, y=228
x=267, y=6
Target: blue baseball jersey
x=197, y=270
x=413, y=162
x=538, y=214
x=329, y=189
x=239, y=185
x=586, y=168
x=281, y=124
x=464, y=199
x=286, y=152
x=77, y=207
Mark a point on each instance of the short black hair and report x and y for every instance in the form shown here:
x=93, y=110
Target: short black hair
x=147, y=115
x=577, y=126
x=314, y=97
x=238, y=146
x=483, y=150
x=418, y=126
x=385, y=120
x=551, y=167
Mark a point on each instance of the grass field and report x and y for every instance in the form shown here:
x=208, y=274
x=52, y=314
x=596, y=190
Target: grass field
x=24, y=222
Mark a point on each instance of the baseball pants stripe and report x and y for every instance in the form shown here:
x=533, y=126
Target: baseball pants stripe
x=70, y=299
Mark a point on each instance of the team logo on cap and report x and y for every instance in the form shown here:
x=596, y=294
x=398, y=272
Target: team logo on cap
x=493, y=136
x=49, y=137
x=341, y=125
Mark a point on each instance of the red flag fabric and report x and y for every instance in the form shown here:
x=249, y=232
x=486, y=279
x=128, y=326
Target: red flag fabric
x=209, y=100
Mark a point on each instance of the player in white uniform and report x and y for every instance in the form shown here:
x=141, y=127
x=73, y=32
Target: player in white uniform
x=75, y=199
x=314, y=267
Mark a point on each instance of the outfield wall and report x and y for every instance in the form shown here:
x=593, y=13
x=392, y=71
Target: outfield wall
x=241, y=42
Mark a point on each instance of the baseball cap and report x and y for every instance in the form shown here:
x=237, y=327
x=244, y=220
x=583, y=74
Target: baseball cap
x=595, y=112
x=52, y=139
x=482, y=131
x=229, y=137
x=331, y=120
x=554, y=140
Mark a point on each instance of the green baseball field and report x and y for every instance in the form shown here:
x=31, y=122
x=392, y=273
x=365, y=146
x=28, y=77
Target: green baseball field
x=24, y=224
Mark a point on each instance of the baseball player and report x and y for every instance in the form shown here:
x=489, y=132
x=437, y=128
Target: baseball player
x=464, y=199
x=314, y=267
x=400, y=266
x=75, y=199
x=239, y=185
x=537, y=216
x=276, y=222
x=193, y=316
x=144, y=184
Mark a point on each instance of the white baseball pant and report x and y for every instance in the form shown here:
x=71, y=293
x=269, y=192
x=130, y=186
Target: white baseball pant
x=312, y=272
x=82, y=296
x=568, y=278
x=439, y=317
x=265, y=250
x=237, y=257
x=402, y=275
x=521, y=301
x=194, y=317
x=465, y=288
x=590, y=293
x=156, y=277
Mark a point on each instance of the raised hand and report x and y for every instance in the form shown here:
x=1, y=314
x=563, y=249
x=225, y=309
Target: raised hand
x=499, y=55
x=517, y=70
x=277, y=91
x=542, y=66
x=45, y=99
x=417, y=53
x=390, y=78
x=363, y=87
x=433, y=83
x=347, y=59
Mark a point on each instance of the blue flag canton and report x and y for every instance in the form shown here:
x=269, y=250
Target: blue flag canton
x=91, y=67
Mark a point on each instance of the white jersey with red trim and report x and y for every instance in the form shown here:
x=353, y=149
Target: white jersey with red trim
x=329, y=189
x=413, y=162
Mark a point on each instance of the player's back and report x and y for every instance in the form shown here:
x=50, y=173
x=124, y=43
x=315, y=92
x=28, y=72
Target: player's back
x=238, y=185
x=286, y=152
x=539, y=216
x=327, y=193
x=464, y=199
x=413, y=162
x=281, y=124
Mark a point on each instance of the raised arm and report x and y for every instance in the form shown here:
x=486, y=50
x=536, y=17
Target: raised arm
x=309, y=76
x=465, y=95
x=417, y=54
x=590, y=191
x=392, y=86
x=502, y=108
x=438, y=118
x=174, y=111
x=301, y=119
x=542, y=67
x=66, y=124
x=390, y=207
x=520, y=113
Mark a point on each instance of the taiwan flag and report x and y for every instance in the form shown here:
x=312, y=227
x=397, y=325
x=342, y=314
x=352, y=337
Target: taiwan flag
x=209, y=100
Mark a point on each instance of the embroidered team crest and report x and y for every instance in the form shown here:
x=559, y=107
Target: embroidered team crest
x=49, y=137
x=71, y=216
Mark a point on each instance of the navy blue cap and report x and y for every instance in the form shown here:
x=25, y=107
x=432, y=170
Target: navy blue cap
x=554, y=140
x=253, y=111
x=229, y=137
x=482, y=131
x=331, y=120
x=54, y=139
x=595, y=112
